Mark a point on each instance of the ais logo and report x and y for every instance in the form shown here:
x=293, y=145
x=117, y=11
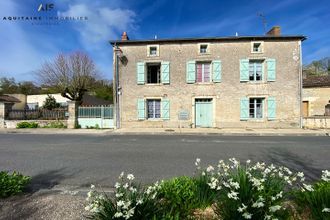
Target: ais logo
x=46, y=7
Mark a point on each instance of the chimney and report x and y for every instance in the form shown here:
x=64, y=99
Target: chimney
x=124, y=36
x=275, y=31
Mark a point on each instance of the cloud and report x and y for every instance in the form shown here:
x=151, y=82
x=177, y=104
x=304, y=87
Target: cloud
x=103, y=23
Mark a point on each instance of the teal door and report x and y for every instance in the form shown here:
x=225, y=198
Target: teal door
x=204, y=112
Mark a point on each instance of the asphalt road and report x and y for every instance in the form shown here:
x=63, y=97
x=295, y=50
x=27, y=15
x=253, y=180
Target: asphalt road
x=79, y=160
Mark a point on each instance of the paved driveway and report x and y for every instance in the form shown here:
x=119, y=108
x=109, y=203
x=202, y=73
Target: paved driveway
x=79, y=160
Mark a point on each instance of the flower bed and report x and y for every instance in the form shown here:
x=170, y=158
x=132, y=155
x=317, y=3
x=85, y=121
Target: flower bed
x=227, y=191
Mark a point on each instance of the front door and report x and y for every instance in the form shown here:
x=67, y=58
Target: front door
x=204, y=112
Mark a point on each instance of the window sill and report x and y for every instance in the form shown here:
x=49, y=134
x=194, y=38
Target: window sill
x=260, y=120
x=204, y=83
x=254, y=52
x=154, y=119
x=155, y=84
x=152, y=55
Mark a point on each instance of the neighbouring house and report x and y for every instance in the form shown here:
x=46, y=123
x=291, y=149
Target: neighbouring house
x=22, y=101
x=37, y=101
x=316, y=96
x=223, y=82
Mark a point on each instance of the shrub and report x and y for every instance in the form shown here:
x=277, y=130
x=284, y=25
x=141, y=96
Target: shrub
x=316, y=198
x=130, y=201
x=251, y=192
x=205, y=196
x=55, y=124
x=50, y=103
x=178, y=196
x=25, y=124
x=11, y=184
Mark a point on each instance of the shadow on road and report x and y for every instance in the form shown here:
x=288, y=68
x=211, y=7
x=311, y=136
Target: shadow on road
x=283, y=157
x=48, y=179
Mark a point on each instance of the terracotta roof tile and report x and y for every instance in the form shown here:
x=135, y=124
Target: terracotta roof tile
x=7, y=98
x=316, y=81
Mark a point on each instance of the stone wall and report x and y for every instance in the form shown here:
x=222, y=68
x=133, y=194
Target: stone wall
x=317, y=99
x=317, y=122
x=12, y=123
x=226, y=95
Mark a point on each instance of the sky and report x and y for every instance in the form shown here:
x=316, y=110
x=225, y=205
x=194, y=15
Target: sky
x=26, y=45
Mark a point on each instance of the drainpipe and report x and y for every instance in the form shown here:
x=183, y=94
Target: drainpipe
x=117, y=86
x=300, y=84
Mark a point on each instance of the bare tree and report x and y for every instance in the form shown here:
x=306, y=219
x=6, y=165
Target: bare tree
x=72, y=75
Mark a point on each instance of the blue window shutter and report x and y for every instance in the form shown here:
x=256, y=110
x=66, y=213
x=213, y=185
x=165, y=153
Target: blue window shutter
x=244, y=108
x=216, y=70
x=191, y=72
x=271, y=108
x=166, y=109
x=271, y=69
x=140, y=72
x=141, y=109
x=165, y=72
x=244, y=70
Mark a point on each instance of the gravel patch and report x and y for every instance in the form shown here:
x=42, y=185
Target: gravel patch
x=44, y=205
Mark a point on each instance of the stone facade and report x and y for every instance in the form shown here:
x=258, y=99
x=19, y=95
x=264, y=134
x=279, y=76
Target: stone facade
x=317, y=99
x=225, y=95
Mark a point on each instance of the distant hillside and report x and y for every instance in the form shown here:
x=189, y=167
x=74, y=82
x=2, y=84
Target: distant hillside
x=317, y=68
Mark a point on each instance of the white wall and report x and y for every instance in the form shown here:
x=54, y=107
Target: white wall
x=40, y=99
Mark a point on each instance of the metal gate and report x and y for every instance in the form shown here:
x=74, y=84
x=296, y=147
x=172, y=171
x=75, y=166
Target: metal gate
x=95, y=116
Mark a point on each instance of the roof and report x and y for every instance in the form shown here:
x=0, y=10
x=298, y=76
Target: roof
x=10, y=99
x=316, y=81
x=209, y=39
x=93, y=100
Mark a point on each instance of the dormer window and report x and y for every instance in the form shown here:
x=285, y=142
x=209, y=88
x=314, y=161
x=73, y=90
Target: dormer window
x=257, y=47
x=203, y=48
x=153, y=50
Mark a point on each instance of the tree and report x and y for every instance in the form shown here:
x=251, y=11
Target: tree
x=28, y=88
x=8, y=85
x=50, y=103
x=72, y=75
x=103, y=89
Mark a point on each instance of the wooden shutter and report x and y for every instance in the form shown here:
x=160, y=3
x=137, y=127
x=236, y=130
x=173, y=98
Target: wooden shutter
x=244, y=108
x=271, y=108
x=216, y=70
x=244, y=70
x=140, y=73
x=191, y=72
x=166, y=109
x=271, y=69
x=141, y=109
x=165, y=72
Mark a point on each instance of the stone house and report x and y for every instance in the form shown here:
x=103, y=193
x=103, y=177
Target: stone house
x=222, y=82
x=316, y=95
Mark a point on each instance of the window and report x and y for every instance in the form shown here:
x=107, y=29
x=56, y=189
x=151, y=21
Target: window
x=257, y=47
x=153, y=73
x=203, y=48
x=255, y=70
x=256, y=107
x=153, y=108
x=203, y=72
x=153, y=51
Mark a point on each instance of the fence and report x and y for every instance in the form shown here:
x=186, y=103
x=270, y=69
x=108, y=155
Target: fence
x=41, y=114
x=96, y=116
